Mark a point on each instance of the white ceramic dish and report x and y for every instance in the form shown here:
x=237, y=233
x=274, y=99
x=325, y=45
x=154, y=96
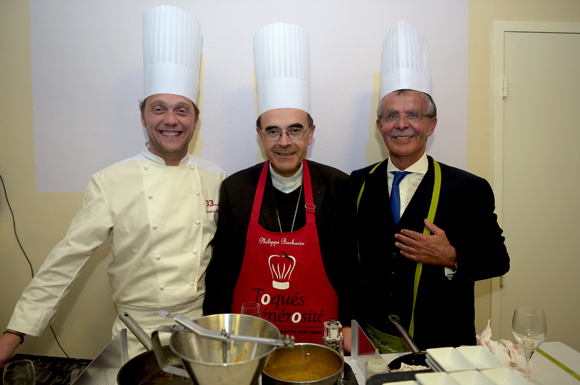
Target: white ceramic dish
x=449, y=359
x=435, y=379
x=480, y=357
x=471, y=377
x=507, y=376
x=433, y=365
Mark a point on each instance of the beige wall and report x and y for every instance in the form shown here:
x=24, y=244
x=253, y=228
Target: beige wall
x=41, y=219
x=85, y=319
x=482, y=13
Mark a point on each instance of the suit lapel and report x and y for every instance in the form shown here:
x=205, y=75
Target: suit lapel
x=376, y=194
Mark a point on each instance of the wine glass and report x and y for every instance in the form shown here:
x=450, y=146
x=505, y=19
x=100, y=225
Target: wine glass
x=251, y=308
x=19, y=372
x=529, y=328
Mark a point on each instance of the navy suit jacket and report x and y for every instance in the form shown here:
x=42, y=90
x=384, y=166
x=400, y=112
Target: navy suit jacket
x=444, y=313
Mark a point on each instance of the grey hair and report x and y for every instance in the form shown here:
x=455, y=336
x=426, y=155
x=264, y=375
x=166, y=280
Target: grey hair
x=431, y=107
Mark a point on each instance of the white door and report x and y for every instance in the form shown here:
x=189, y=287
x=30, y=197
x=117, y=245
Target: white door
x=540, y=178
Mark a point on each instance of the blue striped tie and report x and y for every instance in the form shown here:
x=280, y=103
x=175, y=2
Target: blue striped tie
x=395, y=197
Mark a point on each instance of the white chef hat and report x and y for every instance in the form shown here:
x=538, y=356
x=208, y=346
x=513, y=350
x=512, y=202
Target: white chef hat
x=405, y=60
x=282, y=63
x=171, y=52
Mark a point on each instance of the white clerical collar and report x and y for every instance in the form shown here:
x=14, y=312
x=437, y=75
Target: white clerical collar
x=419, y=167
x=286, y=184
x=157, y=159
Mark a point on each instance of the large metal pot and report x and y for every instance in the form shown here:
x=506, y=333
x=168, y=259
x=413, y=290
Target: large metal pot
x=204, y=358
x=303, y=364
x=144, y=369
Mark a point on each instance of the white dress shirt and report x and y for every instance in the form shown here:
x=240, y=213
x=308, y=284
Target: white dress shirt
x=410, y=182
x=409, y=185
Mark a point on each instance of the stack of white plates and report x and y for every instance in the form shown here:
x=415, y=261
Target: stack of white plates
x=448, y=360
x=498, y=376
x=467, y=365
x=462, y=358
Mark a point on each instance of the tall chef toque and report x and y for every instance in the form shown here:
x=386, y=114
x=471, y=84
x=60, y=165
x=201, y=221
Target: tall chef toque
x=171, y=52
x=282, y=63
x=405, y=61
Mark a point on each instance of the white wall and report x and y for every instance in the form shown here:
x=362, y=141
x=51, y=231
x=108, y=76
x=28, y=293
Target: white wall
x=87, y=78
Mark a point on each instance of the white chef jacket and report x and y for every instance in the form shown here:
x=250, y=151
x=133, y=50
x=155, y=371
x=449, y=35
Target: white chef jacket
x=160, y=221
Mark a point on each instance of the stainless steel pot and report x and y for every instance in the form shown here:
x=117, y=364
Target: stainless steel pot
x=304, y=364
x=144, y=368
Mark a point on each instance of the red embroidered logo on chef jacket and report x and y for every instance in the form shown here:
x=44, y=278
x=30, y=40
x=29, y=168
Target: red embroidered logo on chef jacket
x=285, y=274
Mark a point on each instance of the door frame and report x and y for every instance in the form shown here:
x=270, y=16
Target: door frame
x=501, y=28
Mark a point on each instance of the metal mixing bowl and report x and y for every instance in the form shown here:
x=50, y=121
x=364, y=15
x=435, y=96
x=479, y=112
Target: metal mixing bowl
x=202, y=357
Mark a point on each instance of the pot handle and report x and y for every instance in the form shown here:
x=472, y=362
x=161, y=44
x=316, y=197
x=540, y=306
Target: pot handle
x=397, y=322
x=161, y=359
x=136, y=330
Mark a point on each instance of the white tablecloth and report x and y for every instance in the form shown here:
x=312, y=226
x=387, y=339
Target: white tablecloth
x=543, y=370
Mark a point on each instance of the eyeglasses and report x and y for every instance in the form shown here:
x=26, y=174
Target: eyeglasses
x=409, y=116
x=294, y=133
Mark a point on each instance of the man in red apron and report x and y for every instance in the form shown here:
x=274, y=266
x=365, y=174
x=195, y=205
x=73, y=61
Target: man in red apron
x=282, y=238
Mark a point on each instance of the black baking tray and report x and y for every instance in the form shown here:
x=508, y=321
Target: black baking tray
x=51, y=370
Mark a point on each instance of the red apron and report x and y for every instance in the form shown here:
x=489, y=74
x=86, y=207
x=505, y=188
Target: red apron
x=293, y=290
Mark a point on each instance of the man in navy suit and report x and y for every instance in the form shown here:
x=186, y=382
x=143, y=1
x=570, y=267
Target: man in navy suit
x=465, y=242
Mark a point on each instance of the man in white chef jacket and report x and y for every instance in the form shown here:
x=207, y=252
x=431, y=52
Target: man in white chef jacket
x=154, y=207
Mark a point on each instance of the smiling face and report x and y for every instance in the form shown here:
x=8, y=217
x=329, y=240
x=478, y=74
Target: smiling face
x=406, y=141
x=170, y=121
x=285, y=155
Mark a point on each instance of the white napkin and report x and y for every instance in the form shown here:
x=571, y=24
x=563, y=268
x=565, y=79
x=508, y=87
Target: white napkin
x=504, y=350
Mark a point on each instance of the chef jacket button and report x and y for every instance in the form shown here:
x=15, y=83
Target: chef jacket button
x=161, y=287
x=196, y=192
x=150, y=196
x=146, y=168
x=194, y=252
x=197, y=222
x=192, y=167
x=191, y=283
x=158, y=257
x=154, y=227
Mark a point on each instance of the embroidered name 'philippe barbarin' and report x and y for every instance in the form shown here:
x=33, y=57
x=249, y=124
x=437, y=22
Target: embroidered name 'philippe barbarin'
x=283, y=241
